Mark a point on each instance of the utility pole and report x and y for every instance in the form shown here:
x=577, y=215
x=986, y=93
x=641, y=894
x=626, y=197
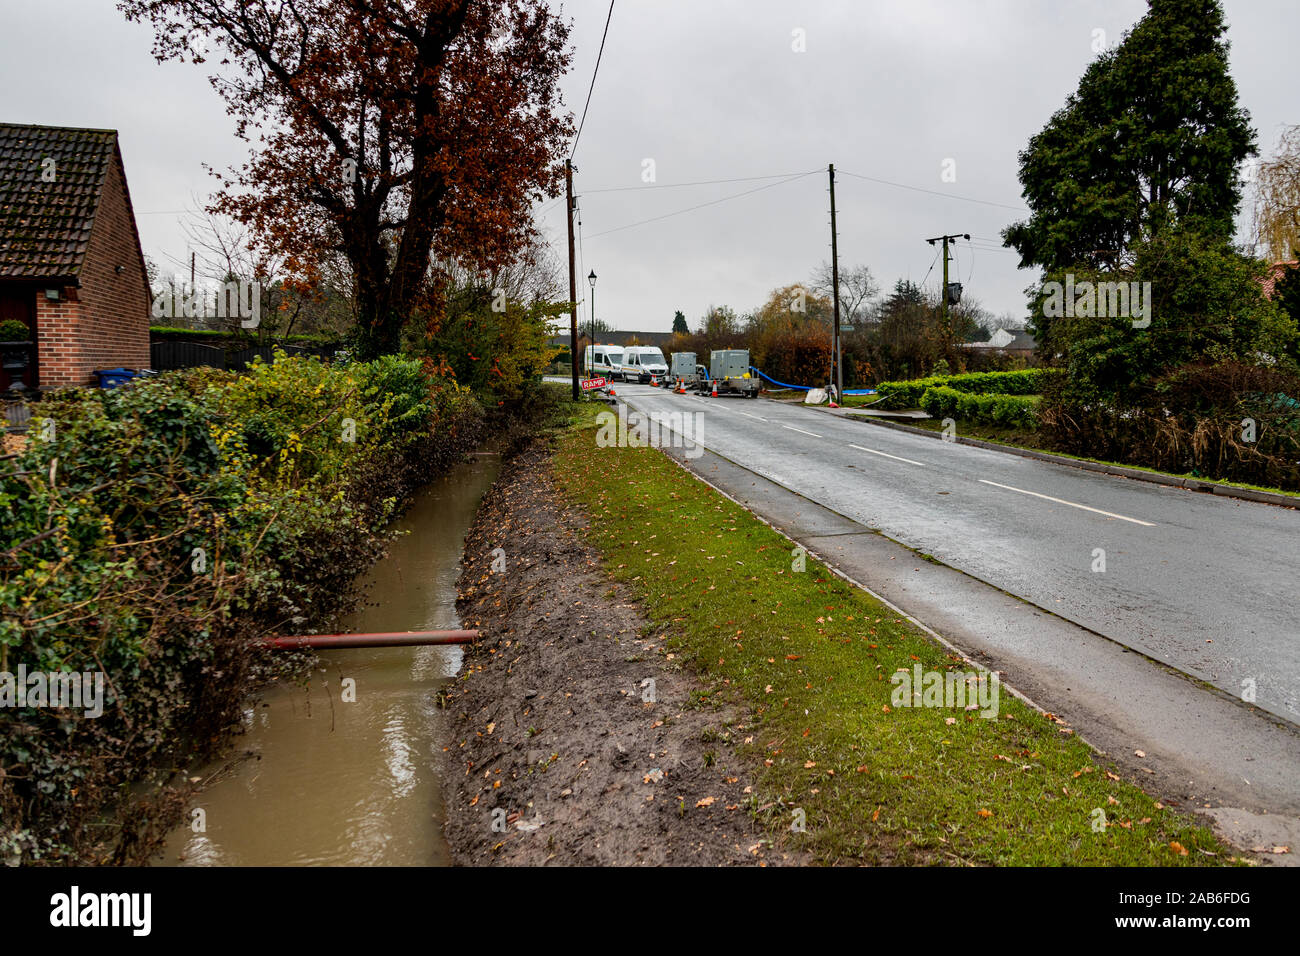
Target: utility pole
x=835, y=283
x=945, y=240
x=573, y=278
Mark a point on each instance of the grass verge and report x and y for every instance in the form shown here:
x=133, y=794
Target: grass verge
x=811, y=658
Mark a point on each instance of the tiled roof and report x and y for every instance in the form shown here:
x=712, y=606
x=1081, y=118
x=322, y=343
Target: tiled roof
x=45, y=225
x=1275, y=273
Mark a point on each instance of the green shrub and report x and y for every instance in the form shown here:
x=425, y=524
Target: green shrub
x=1020, y=382
x=13, y=330
x=1017, y=411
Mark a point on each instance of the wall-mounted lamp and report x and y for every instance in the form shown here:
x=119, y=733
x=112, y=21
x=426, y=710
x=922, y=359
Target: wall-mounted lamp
x=52, y=295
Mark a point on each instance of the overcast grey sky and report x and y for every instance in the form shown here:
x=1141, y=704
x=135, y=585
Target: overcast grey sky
x=711, y=89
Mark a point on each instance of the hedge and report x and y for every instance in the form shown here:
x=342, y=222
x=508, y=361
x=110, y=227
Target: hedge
x=1019, y=411
x=908, y=394
x=151, y=534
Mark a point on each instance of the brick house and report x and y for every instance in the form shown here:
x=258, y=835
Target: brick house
x=71, y=266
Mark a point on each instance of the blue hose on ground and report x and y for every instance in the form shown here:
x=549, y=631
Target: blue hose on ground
x=804, y=388
x=801, y=388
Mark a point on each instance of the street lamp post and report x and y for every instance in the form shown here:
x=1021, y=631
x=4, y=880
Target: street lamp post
x=592, y=279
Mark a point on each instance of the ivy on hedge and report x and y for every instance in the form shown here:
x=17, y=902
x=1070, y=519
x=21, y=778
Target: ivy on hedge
x=153, y=534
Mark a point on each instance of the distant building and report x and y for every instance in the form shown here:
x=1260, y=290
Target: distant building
x=71, y=267
x=1014, y=341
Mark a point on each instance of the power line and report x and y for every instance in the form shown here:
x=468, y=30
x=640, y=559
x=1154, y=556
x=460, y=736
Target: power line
x=549, y=206
x=702, y=182
x=702, y=205
x=929, y=270
x=593, y=80
x=934, y=192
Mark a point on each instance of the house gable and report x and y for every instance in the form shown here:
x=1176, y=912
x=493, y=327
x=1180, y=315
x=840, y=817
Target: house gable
x=70, y=246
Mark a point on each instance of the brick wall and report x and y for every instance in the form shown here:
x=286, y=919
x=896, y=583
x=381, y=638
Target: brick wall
x=108, y=324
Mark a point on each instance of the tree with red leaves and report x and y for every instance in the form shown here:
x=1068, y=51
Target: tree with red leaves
x=388, y=132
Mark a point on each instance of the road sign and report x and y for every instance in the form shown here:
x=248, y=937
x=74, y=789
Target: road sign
x=590, y=383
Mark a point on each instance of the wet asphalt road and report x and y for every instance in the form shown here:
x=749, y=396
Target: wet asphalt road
x=1205, y=584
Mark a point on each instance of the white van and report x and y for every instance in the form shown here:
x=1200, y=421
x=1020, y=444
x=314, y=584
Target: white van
x=603, y=360
x=644, y=363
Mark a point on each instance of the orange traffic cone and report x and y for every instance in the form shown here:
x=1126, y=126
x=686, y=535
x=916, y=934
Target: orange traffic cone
x=715, y=389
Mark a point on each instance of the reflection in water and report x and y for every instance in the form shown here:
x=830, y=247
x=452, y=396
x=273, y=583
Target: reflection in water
x=334, y=783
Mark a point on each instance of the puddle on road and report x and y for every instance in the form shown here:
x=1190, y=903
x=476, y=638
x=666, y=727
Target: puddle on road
x=352, y=784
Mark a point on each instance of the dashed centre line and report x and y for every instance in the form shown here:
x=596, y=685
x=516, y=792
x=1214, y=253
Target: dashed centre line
x=885, y=454
x=1062, y=501
x=800, y=431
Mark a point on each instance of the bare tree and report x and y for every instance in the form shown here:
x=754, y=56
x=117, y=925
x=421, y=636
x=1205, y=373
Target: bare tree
x=858, y=287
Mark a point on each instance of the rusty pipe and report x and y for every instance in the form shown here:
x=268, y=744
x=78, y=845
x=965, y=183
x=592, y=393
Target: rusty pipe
x=383, y=639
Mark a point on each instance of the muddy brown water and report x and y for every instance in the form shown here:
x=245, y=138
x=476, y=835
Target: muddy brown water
x=336, y=783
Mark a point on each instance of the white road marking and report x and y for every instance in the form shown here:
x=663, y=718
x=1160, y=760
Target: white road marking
x=1061, y=501
x=887, y=455
x=747, y=415
x=800, y=431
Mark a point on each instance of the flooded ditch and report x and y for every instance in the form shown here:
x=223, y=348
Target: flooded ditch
x=342, y=784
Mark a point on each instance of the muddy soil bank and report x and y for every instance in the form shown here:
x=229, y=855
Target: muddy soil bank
x=561, y=750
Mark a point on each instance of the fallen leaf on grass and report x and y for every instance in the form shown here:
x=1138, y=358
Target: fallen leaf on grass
x=1178, y=848
x=808, y=765
x=986, y=813
x=706, y=802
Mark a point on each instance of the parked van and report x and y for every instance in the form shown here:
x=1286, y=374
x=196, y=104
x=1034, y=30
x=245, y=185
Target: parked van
x=644, y=363
x=604, y=361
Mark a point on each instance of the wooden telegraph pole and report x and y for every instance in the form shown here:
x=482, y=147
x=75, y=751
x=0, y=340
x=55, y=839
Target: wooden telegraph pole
x=573, y=278
x=945, y=240
x=838, y=369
